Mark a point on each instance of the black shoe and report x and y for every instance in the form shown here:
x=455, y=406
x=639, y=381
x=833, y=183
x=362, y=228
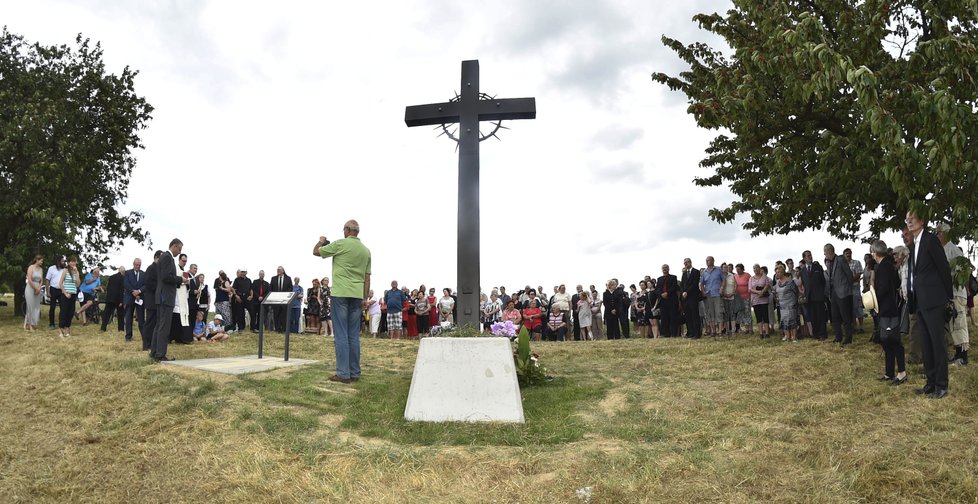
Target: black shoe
x=885, y=378
x=937, y=394
x=163, y=359
x=900, y=381
x=926, y=390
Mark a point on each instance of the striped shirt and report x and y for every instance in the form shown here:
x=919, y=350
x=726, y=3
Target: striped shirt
x=71, y=286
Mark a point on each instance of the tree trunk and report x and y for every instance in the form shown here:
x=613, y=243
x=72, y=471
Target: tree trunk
x=20, y=304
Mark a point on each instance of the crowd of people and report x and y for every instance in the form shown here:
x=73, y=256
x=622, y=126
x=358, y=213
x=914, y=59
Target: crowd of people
x=800, y=301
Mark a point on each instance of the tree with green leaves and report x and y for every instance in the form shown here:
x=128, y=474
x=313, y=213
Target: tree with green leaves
x=834, y=112
x=67, y=134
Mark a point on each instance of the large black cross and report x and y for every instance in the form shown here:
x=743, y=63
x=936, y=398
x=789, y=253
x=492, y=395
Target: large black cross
x=468, y=110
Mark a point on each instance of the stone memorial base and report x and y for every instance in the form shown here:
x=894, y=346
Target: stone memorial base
x=465, y=380
x=238, y=365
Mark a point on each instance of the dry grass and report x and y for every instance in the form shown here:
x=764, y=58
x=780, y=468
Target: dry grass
x=91, y=420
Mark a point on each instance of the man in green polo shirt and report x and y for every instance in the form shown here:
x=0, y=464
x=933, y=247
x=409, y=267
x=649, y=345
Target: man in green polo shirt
x=351, y=288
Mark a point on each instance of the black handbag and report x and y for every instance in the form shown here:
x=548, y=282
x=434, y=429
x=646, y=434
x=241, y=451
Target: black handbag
x=889, y=335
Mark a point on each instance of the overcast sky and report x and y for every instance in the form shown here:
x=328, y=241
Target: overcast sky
x=276, y=122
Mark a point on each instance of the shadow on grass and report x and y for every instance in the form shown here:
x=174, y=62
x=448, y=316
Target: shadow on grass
x=374, y=408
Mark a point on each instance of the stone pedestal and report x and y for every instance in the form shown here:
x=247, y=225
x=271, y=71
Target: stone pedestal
x=465, y=380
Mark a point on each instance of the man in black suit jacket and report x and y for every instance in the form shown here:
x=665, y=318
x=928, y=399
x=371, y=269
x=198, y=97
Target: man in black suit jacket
x=113, y=300
x=192, y=287
x=623, y=302
x=574, y=315
x=259, y=289
x=667, y=288
x=241, y=299
x=149, y=301
x=813, y=280
x=281, y=283
x=132, y=290
x=611, y=324
x=690, y=287
x=930, y=293
x=166, y=297
x=839, y=293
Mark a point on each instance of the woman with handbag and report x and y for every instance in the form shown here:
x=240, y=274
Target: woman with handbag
x=886, y=283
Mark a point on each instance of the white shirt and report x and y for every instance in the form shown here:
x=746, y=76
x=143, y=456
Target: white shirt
x=54, y=275
x=916, y=258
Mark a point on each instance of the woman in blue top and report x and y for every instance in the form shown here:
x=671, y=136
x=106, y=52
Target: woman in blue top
x=296, y=305
x=69, y=291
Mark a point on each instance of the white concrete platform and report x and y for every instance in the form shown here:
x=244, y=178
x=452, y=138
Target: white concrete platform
x=239, y=365
x=465, y=380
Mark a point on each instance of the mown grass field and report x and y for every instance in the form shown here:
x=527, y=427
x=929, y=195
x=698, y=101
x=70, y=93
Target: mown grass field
x=91, y=419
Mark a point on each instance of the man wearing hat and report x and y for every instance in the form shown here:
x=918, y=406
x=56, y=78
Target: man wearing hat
x=242, y=298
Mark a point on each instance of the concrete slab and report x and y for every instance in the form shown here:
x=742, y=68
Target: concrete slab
x=239, y=365
x=465, y=380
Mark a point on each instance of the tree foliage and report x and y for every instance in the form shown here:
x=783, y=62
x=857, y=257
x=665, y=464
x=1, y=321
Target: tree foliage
x=832, y=110
x=67, y=134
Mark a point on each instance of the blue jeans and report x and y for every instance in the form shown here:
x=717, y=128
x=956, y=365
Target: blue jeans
x=294, y=323
x=346, y=314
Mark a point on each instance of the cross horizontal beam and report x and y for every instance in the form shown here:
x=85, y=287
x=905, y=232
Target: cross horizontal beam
x=488, y=110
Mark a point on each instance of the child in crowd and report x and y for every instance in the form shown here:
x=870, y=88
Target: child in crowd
x=215, y=329
x=200, y=327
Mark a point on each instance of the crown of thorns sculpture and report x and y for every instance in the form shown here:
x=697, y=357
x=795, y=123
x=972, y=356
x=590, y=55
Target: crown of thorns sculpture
x=451, y=129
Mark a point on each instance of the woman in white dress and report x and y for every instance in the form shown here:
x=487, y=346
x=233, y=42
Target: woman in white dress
x=32, y=293
x=584, y=316
x=445, y=306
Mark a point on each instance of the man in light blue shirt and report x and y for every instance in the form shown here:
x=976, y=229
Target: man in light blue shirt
x=93, y=280
x=711, y=280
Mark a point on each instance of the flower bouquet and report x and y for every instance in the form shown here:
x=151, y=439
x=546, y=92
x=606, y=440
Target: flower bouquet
x=507, y=329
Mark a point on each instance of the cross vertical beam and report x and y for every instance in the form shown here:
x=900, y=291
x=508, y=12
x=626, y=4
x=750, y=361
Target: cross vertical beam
x=468, y=110
x=468, y=267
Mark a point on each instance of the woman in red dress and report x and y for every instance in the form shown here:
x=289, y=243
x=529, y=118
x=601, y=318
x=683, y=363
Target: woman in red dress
x=410, y=319
x=433, y=314
x=533, y=320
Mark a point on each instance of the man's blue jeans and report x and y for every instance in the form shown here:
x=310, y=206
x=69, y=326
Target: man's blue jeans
x=346, y=314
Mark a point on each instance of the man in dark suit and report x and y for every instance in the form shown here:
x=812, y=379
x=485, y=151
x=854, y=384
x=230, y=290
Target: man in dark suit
x=281, y=283
x=690, y=287
x=192, y=288
x=149, y=301
x=667, y=288
x=623, y=303
x=840, y=293
x=611, y=324
x=113, y=300
x=259, y=289
x=813, y=280
x=166, y=298
x=930, y=293
x=575, y=317
x=132, y=297
x=241, y=299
